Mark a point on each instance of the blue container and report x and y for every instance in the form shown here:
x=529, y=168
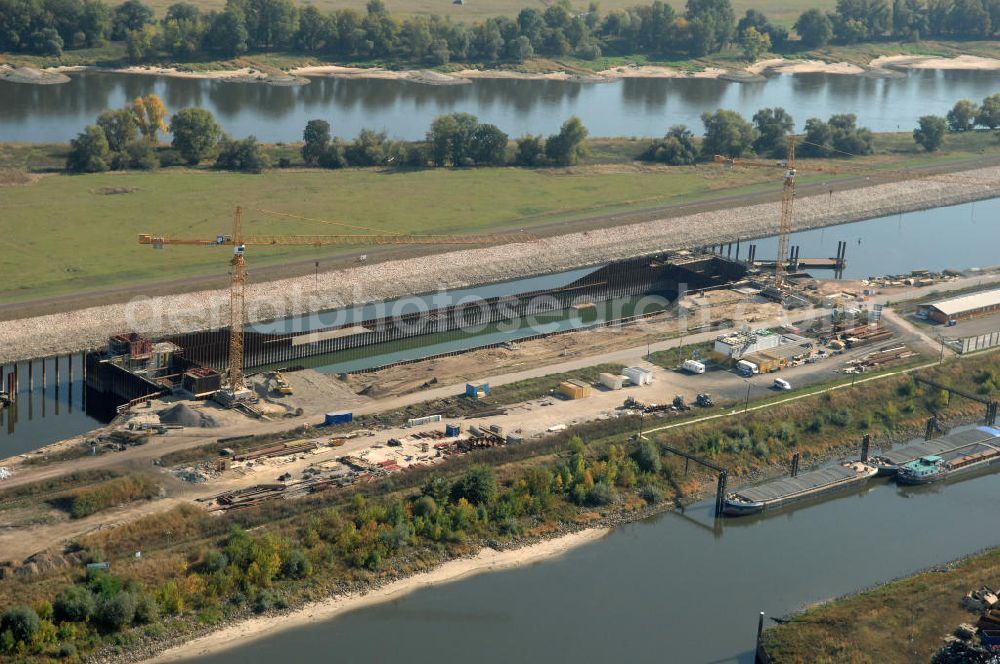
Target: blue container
x=452, y=430
x=340, y=417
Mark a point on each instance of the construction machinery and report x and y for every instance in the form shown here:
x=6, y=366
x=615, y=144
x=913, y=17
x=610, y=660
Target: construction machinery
x=279, y=384
x=235, y=390
x=704, y=400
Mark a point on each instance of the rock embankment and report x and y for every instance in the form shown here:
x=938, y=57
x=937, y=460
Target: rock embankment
x=87, y=328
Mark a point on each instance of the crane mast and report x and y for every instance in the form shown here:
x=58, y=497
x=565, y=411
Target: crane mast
x=237, y=305
x=785, y=228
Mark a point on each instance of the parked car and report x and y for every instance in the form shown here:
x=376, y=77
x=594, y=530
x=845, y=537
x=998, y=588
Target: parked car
x=781, y=384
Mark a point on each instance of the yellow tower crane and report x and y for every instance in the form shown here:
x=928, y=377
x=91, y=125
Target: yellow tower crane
x=787, y=200
x=788, y=193
x=235, y=381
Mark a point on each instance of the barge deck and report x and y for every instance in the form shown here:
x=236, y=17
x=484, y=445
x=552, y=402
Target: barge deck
x=751, y=500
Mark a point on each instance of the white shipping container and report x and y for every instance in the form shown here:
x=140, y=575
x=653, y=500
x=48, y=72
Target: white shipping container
x=638, y=375
x=611, y=381
x=693, y=366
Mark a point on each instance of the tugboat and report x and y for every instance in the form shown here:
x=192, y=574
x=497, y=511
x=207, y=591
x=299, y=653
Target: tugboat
x=932, y=468
x=924, y=470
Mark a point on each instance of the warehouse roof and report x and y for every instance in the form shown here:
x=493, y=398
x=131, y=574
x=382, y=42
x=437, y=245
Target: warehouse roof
x=957, y=305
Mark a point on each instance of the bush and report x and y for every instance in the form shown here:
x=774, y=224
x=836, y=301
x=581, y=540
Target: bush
x=147, y=611
x=92, y=499
x=675, y=149
x=22, y=621
x=214, y=561
x=89, y=151
x=116, y=611
x=297, y=565
x=74, y=604
x=600, y=494
x=647, y=457
x=478, y=486
x=530, y=151
x=169, y=158
x=651, y=494
x=424, y=506
x=244, y=155
x=66, y=650
x=141, y=155
x=265, y=601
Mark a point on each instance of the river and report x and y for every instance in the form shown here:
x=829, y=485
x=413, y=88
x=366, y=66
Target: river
x=675, y=588
x=626, y=107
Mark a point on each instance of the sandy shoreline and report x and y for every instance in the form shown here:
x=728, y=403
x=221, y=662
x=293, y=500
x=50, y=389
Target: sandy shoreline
x=886, y=65
x=487, y=560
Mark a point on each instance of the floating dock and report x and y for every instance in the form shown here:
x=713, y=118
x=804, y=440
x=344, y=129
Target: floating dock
x=772, y=495
x=889, y=462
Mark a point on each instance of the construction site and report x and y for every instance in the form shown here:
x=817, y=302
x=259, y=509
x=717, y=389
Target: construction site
x=268, y=406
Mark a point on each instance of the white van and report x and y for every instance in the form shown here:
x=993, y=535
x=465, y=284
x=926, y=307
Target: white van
x=746, y=368
x=693, y=366
x=781, y=384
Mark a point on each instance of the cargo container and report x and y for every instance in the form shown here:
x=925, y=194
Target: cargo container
x=638, y=375
x=611, y=381
x=575, y=389
x=417, y=421
x=693, y=366
x=340, y=417
x=514, y=438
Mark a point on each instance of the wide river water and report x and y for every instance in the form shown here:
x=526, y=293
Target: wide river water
x=675, y=588
x=628, y=107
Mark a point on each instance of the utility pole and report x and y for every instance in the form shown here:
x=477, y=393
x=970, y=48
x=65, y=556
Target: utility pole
x=317, y=275
x=746, y=405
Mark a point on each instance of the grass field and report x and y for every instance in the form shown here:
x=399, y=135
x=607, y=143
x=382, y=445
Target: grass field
x=77, y=233
x=903, y=621
x=63, y=232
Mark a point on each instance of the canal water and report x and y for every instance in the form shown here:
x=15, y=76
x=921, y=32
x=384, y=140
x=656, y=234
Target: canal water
x=46, y=409
x=675, y=588
x=628, y=107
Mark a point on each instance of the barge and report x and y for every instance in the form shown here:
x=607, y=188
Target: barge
x=752, y=500
x=933, y=467
x=888, y=463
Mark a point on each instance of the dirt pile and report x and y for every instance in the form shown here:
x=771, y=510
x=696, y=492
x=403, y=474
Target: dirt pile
x=185, y=416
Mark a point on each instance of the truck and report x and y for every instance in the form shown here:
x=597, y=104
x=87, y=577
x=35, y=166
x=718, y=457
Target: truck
x=747, y=368
x=693, y=367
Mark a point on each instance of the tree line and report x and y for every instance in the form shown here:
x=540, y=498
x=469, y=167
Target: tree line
x=127, y=138
x=705, y=26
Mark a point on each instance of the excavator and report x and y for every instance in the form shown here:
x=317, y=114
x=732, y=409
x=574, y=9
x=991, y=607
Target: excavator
x=279, y=384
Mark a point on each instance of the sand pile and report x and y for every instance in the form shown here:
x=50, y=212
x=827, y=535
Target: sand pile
x=185, y=416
